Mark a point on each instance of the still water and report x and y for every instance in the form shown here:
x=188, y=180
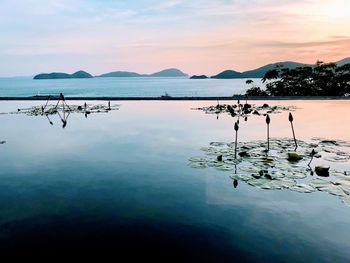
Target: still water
x=119, y=183
x=123, y=87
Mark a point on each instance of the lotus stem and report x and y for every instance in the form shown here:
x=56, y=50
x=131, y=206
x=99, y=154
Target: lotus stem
x=236, y=129
x=268, y=131
x=313, y=152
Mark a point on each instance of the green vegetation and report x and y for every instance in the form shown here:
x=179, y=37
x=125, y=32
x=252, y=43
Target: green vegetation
x=171, y=72
x=120, y=74
x=56, y=75
x=228, y=74
x=323, y=79
x=198, y=77
x=255, y=90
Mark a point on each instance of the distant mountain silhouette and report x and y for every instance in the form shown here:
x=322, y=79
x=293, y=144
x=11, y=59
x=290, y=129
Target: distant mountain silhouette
x=57, y=75
x=260, y=72
x=228, y=74
x=198, y=77
x=120, y=74
x=343, y=61
x=171, y=72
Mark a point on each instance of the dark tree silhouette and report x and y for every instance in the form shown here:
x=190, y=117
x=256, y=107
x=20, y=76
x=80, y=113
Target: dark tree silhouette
x=323, y=79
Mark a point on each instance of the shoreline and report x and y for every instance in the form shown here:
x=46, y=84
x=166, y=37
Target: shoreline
x=241, y=97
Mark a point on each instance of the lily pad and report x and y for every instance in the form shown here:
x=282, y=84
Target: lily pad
x=241, y=177
x=302, y=188
x=198, y=165
x=326, y=186
x=272, y=170
x=218, y=144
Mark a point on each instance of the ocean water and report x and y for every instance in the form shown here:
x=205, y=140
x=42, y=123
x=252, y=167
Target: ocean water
x=123, y=87
x=118, y=184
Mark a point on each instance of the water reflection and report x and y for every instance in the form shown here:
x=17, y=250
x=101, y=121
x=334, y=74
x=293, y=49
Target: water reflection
x=63, y=110
x=101, y=182
x=235, y=183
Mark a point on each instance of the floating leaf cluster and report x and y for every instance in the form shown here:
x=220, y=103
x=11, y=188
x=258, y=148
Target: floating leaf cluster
x=53, y=109
x=246, y=109
x=317, y=165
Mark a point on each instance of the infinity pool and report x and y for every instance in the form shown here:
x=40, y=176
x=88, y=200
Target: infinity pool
x=119, y=184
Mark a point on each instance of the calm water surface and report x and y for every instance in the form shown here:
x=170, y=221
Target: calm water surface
x=123, y=87
x=119, y=184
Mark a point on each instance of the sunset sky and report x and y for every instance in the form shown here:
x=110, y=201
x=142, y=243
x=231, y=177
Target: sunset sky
x=196, y=36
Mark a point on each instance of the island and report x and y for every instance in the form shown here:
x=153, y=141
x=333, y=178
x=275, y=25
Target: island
x=57, y=75
x=171, y=72
x=120, y=74
x=261, y=71
x=198, y=77
x=228, y=74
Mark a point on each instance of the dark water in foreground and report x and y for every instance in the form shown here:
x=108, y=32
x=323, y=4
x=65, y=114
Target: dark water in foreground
x=118, y=184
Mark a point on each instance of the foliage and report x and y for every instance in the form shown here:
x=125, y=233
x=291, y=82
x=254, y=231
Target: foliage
x=254, y=90
x=324, y=79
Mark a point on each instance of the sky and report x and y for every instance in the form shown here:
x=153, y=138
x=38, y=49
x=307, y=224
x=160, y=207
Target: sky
x=196, y=36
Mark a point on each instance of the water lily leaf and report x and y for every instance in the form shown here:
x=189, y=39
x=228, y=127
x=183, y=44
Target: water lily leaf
x=326, y=186
x=258, y=182
x=302, y=188
x=337, y=159
x=250, y=169
x=218, y=144
x=241, y=177
x=224, y=167
x=316, y=183
x=198, y=165
x=264, y=183
x=197, y=159
x=331, y=142
x=281, y=173
x=296, y=175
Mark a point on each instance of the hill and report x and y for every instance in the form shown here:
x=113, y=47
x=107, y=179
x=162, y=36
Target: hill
x=198, y=77
x=228, y=74
x=58, y=75
x=172, y=72
x=343, y=61
x=120, y=74
x=260, y=72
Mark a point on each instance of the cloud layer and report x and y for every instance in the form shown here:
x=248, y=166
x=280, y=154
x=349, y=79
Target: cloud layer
x=198, y=36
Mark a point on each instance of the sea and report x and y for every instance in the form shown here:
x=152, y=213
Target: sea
x=124, y=87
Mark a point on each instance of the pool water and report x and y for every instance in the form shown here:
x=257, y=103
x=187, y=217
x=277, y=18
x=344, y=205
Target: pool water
x=119, y=184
